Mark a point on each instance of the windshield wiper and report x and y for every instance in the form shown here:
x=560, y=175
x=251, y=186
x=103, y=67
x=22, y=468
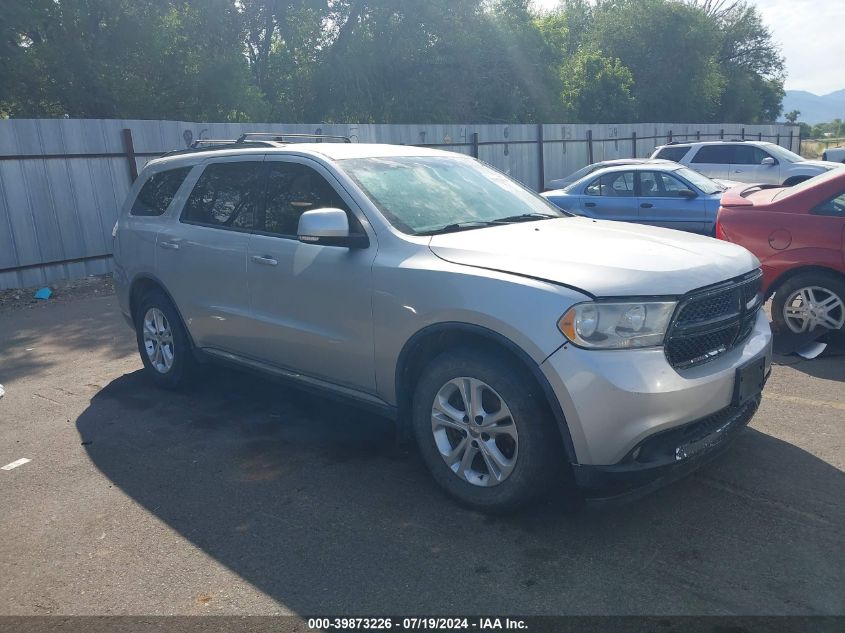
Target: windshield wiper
x=526, y=217
x=477, y=224
x=459, y=226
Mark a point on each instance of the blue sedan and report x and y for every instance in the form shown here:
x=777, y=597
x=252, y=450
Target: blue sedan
x=672, y=196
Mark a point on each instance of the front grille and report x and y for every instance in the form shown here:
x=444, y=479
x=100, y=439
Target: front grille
x=712, y=321
x=722, y=304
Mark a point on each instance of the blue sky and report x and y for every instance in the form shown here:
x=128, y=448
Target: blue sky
x=809, y=33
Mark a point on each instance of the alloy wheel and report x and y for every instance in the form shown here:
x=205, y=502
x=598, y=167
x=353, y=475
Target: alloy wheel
x=158, y=340
x=474, y=431
x=811, y=307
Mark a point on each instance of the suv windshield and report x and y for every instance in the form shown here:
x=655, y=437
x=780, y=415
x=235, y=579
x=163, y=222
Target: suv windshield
x=430, y=194
x=699, y=180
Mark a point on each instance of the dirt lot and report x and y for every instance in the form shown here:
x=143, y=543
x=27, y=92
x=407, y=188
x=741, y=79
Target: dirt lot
x=246, y=497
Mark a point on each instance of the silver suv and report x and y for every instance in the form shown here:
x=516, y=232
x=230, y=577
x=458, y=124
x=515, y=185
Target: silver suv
x=745, y=161
x=524, y=348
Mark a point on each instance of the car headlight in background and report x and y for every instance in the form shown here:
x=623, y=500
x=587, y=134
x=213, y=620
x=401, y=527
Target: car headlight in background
x=617, y=325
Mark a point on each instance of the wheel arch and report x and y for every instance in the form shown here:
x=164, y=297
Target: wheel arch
x=800, y=270
x=144, y=283
x=427, y=343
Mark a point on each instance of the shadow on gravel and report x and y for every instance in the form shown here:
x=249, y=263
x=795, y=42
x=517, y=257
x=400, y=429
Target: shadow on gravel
x=308, y=501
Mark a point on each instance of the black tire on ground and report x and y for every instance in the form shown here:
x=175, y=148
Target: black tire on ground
x=794, y=180
x=184, y=365
x=829, y=281
x=540, y=460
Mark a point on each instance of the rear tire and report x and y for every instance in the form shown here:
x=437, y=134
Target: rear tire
x=502, y=451
x=808, y=301
x=163, y=343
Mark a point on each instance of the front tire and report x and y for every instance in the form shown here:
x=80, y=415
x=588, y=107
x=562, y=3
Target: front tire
x=163, y=342
x=809, y=301
x=485, y=431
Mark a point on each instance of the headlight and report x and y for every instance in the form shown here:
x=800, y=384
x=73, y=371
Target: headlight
x=617, y=325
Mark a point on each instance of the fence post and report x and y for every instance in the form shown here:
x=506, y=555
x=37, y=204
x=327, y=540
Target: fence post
x=722, y=134
x=790, y=141
x=759, y=136
x=670, y=136
x=129, y=148
x=541, y=159
x=590, y=145
x=777, y=139
x=799, y=142
x=698, y=135
x=633, y=144
x=474, y=144
x=742, y=134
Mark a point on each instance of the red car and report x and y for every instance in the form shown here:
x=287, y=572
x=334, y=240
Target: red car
x=798, y=234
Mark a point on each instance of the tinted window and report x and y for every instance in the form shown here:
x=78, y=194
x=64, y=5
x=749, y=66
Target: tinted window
x=748, y=155
x=157, y=193
x=834, y=207
x=227, y=195
x=292, y=190
x=714, y=154
x=660, y=185
x=616, y=184
x=674, y=153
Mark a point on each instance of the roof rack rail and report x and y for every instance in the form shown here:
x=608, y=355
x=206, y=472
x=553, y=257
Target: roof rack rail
x=207, y=145
x=280, y=137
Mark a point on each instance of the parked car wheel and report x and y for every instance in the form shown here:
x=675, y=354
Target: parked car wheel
x=809, y=301
x=162, y=341
x=485, y=432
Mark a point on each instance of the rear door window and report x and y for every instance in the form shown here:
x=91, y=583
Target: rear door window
x=157, y=193
x=227, y=195
x=714, y=155
x=617, y=184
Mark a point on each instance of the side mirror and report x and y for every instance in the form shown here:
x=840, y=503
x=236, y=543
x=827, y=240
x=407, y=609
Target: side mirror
x=768, y=161
x=328, y=227
x=689, y=194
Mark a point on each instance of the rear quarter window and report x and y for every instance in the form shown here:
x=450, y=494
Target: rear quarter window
x=673, y=153
x=157, y=193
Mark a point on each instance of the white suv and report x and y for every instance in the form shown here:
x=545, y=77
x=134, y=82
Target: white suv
x=744, y=161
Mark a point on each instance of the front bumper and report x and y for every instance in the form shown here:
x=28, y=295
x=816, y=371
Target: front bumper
x=615, y=400
x=664, y=457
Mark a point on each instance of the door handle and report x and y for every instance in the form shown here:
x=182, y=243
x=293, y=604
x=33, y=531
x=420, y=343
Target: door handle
x=266, y=261
x=737, y=171
x=171, y=245
x=589, y=204
x=646, y=205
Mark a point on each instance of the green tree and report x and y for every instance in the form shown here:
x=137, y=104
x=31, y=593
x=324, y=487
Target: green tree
x=792, y=115
x=749, y=59
x=597, y=89
x=671, y=51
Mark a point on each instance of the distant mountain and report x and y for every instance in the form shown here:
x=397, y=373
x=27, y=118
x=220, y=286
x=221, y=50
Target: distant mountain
x=815, y=108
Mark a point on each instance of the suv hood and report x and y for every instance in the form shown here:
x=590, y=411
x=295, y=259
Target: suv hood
x=600, y=257
x=826, y=164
